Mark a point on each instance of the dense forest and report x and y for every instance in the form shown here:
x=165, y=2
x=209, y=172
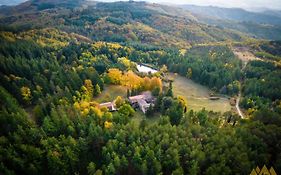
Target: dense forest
x=53, y=69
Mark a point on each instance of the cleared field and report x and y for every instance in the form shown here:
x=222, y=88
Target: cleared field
x=244, y=54
x=110, y=93
x=197, y=96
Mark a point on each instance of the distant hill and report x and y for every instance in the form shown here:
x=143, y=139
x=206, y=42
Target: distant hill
x=140, y=22
x=33, y=6
x=124, y=22
x=273, y=13
x=11, y=2
x=235, y=14
x=266, y=25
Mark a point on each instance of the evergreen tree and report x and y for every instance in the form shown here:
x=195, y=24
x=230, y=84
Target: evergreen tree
x=170, y=90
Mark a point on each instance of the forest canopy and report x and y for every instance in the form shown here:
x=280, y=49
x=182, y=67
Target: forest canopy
x=58, y=59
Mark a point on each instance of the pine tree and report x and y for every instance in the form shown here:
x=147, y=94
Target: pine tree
x=170, y=90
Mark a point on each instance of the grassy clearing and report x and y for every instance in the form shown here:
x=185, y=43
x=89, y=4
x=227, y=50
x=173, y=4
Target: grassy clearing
x=244, y=54
x=110, y=93
x=197, y=96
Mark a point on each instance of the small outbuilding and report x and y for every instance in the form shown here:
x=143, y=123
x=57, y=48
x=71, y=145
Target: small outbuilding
x=109, y=105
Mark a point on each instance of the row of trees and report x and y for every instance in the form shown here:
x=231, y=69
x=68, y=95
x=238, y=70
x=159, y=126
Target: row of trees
x=133, y=81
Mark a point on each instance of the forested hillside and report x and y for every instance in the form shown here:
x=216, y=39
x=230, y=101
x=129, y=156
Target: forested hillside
x=57, y=58
x=261, y=25
x=135, y=22
x=235, y=14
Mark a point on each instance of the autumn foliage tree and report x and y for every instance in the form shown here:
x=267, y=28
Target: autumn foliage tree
x=26, y=94
x=115, y=76
x=87, y=89
x=119, y=101
x=134, y=81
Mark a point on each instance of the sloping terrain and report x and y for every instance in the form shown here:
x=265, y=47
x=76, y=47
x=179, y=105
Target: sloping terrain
x=136, y=22
x=234, y=14
x=59, y=60
x=259, y=25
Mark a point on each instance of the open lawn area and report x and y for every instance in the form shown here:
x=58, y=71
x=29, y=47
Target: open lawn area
x=110, y=93
x=197, y=96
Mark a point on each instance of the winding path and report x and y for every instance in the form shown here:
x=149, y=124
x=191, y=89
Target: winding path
x=245, y=58
x=245, y=55
x=237, y=105
x=239, y=94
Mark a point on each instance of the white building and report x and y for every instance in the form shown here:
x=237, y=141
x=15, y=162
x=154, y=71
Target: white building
x=143, y=101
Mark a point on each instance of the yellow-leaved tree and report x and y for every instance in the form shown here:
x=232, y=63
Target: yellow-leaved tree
x=26, y=94
x=115, y=76
x=87, y=90
x=156, y=82
x=132, y=80
x=146, y=83
x=107, y=124
x=182, y=101
x=126, y=62
x=119, y=101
